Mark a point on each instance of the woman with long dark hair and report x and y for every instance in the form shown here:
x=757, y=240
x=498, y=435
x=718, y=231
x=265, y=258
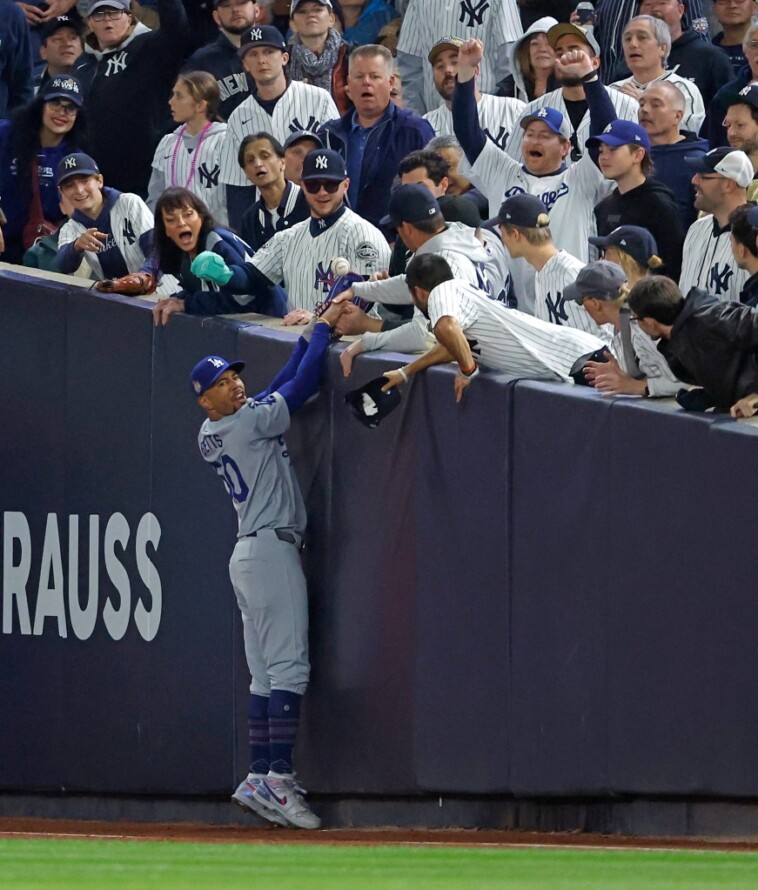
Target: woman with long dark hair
x=32, y=144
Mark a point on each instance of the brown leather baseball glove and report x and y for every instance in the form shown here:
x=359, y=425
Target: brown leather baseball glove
x=135, y=285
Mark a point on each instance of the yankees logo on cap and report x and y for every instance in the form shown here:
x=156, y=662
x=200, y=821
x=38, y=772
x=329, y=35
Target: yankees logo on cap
x=77, y=164
x=320, y=162
x=748, y=95
x=207, y=371
x=323, y=163
x=265, y=35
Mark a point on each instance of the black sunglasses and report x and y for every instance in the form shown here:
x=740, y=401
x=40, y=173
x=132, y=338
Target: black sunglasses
x=314, y=186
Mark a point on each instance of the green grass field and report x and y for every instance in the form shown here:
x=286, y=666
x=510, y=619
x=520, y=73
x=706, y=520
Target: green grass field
x=112, y=865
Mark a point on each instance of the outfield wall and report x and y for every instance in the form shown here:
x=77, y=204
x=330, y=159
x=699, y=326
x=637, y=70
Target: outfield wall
x=542, y=592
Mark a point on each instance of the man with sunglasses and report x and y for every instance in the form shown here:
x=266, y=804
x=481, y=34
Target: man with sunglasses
x=300, y=258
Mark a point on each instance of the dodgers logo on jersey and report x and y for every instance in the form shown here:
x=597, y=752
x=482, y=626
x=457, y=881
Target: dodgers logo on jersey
x=549, y=198
x=514, y=190
x=475, y=12
x=325, y=278
x=718, y=279
x=556, y=308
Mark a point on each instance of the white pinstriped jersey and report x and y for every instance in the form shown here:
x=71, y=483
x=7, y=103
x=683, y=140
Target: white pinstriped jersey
x=426, y=21
x=626, y=108
x=301, y=107
x=301, y=260
x=661, y=381
x=549, y=283
x=200, y=160
x=497, y=117
x=694, y=108
x=508, y=340
x=130, y=218
x=708, y=261
x=569, y=196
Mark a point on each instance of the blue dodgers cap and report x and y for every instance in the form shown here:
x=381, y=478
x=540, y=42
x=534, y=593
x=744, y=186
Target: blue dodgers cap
x=601, y=280
x=77, y=164
x=410, y=203
x=323, y=163
x=524, y=210
x=634, y=240
x=207, y=371
x=620, y=132
x=63, y=86
x=261, y=35
x=552, y=118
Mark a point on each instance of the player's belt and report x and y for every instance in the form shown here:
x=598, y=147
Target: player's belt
x=280, y=533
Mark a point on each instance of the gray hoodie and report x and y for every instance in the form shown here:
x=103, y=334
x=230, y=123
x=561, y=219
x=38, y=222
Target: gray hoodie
x=541, y=26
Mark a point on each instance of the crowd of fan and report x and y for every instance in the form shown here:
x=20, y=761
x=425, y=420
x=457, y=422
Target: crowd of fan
x=561, y=193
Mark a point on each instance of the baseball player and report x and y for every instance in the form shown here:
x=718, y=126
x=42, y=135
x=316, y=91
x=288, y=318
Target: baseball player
x=300, y=258
x=189, y=157
x=470, y=328
x=571, y=97
x=277, y=107
x=497, y=24
x=525, y=229
x=110, y=230
x=721, y=177
x=497, y=116
x=242, y=439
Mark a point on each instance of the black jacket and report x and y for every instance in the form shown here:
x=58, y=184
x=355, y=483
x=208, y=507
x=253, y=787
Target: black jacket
x=653, y=206
x=221, y=60
x=702, y=62
x=749, y=293
x=714, y=345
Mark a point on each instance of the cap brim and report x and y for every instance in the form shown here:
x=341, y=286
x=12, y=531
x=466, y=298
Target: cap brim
x=564, y=28
x=571, y=292
x=697, y=165
x=387, y=222
x=598, y=241
x=243, y=50
x=60, y=94
x=69, y=173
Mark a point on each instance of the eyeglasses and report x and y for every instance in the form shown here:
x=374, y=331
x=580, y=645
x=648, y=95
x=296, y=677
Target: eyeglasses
x=704, y=176
x=64, y=107
x=314, y=186
x=110, y=14
x=752, y=44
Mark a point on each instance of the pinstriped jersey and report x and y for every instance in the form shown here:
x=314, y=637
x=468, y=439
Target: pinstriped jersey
x=301, y=107
x=708, y=261
x=494, y=23
x=301, y=257
x=661, y=380
x=549, y=283
x=694, y=108
x=497, y=117
x=191, y=163
x=508, y=340
x=626, y=108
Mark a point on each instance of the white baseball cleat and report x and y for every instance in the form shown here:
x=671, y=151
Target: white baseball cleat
x=246, y=797
x=278, y=793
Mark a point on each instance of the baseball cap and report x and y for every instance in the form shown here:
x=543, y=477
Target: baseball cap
x=61, y=21
x=563, y=28
x=370, y=405
x=746, y=96
x=442, y=44
x=207, y=371
x=323, y=163
x=634, y=240
x=299, y=135
x=456, y=208
x=601, y=280
x=551, y=117
x=729, y=162
x=109, y=4
x=296, y=3
x=410, y=203
x=524, y=210
x=63, y=86
x=620, y=132
x=261, y=35
x=77, y=164
x=752, y=217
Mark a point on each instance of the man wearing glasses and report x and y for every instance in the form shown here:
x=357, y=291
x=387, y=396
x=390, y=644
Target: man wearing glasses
x=300, y=258
x=220, y=58
x=127, y=72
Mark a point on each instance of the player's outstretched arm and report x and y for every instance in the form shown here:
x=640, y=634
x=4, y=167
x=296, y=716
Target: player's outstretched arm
x=299, y=388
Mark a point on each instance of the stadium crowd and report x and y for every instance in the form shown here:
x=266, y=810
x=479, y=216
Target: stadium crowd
x=554, y=190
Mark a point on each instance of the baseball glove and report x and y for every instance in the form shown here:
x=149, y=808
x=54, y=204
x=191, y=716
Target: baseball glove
x=135, y=285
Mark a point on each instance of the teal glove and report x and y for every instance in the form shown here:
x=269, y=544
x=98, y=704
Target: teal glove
x=211, y=267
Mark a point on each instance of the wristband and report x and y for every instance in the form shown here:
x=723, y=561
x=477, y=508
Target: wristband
x=403, y=373
x=470, y=373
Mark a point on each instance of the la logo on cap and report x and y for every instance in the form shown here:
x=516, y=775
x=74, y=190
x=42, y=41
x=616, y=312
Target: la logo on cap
x=321, y=162
x=70, y=163
x=608, y=128
x=637, y=139
x=256, y=34
x=216, y=362
x=542, y=112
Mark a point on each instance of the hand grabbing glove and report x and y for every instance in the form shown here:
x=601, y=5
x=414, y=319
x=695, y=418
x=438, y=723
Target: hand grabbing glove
x=211, y=267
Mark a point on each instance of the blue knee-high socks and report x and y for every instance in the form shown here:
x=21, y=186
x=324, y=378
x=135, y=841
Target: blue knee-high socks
x=272, y=723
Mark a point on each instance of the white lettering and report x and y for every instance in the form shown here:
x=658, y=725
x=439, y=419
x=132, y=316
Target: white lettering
x=15, y=577
x=148, y=531
x=117, y=620
x=83, y=619
x=50, y=598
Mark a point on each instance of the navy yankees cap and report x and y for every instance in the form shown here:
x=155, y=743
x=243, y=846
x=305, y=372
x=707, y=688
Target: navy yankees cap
x=262, y=35
x=457, y=208
x=299, y=135
x=729, y=162
x=524, y=210
x=746, y=96
x=634, y=240
x=370, y=405
x=78, y=164
x=442, y=44
x=621, y=132
x=323, y=163
x=61, y=21
x=551, y=118
x=601, y=280
x=63, y=86
x=207, y=371
x=410, y=203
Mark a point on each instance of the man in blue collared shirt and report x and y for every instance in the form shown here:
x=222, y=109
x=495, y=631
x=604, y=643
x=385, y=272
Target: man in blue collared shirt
x=374, y=137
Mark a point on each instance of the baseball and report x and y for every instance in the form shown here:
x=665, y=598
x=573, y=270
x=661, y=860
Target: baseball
x=340, y=266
